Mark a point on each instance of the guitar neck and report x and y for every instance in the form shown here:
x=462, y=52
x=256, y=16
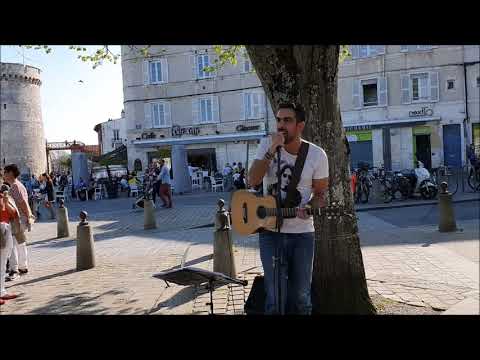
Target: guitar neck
x=289, y=212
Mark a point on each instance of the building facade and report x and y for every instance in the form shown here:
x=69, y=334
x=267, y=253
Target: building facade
x=402, y=103
x=22, y=139
x=112, y=134
x=217, y=117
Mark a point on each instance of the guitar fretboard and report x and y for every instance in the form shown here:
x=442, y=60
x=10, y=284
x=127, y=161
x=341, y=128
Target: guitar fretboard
x=290, y=212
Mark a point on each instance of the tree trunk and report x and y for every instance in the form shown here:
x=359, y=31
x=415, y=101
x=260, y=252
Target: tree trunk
x=307, y=75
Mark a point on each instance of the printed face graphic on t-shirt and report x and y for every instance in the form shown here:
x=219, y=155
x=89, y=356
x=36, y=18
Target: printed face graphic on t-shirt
x=286, y=174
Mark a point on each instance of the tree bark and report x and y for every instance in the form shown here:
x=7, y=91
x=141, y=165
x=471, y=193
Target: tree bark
x=307, y=75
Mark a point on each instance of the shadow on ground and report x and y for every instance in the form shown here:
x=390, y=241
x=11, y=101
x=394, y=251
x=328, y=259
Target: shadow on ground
x=83, y=303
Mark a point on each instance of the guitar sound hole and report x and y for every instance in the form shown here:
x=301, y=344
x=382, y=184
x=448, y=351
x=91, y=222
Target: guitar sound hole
x=245, y=213
x=261, y=212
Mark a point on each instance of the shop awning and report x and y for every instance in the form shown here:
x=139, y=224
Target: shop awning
x=200, y=139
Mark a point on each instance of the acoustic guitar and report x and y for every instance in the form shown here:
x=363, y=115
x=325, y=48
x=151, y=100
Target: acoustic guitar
x=251, y=213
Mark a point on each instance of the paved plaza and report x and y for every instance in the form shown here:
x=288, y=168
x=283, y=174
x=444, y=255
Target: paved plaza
x=411, y=264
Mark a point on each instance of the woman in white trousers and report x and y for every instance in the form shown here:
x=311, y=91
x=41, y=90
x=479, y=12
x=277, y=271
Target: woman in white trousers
x=8, y=213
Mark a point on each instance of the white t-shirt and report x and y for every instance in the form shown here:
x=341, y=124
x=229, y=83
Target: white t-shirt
x=316, y=167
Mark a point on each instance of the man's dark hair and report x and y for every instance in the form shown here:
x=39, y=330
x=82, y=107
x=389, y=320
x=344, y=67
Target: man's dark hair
x=13, y=169
x=298, y=109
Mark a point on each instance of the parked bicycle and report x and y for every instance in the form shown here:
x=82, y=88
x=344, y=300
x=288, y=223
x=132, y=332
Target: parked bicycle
x=474, y=178
x=449, y=175
x=363, y=183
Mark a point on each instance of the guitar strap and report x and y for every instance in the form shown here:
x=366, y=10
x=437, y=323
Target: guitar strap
x=297, y=173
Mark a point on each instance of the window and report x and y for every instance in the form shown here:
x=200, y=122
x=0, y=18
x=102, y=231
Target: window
x=364, y=51
x=5, y=105
x=253, y=105
x=206, y=113
x=370, y=95
x=420, y=87
x=478, y=83
x=156, y=72
x=205, y=110
x=160, y=115
x=451, y=84
x=370, y=92
x=116, y=134
x=202, y=62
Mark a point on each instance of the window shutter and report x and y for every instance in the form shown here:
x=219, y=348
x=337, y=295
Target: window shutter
x=354, y=50
x=146, y=69
x=211, y=62
x=215, y=109
x=262, y=105
x=167, y=114
x=356, y=94
x=382, y=91
x=434, y=86
x=405, y=80
x=193, y=62
x=244, y=107
x=403, y=48
x=148, y=115
x=195, y=111
x=164, y=70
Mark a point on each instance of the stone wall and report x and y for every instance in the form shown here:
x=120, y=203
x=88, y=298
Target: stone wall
x=22, y=139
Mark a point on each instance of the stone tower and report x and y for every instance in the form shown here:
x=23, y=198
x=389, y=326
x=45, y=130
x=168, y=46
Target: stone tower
x=22, y=139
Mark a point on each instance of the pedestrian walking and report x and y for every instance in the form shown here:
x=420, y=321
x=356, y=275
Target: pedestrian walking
x=49, y=196
x=8, y=214
x=165, y=185
x=18, y=259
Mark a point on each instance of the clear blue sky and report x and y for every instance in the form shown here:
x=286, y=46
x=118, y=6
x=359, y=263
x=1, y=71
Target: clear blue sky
x=71, y=109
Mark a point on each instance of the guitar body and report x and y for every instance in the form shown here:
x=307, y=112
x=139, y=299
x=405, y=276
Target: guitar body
x=246, y=212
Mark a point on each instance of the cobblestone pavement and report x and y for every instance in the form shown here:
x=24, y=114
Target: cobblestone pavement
x=410, y=265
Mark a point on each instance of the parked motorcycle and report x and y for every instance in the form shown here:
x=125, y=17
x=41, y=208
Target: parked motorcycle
x=421, y=182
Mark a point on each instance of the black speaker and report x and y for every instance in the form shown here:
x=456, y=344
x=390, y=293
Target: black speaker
x=255, y=304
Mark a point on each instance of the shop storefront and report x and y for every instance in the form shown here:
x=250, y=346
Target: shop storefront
x=361, y=147
x=476, y=137
x=210, y=147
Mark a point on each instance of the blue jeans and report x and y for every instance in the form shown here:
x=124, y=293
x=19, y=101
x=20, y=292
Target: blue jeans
x=294, y=271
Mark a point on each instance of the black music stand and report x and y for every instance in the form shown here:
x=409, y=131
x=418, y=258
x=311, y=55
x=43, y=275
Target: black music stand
x=194, y=276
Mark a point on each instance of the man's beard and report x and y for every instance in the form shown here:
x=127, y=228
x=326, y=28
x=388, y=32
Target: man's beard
x=288, y=139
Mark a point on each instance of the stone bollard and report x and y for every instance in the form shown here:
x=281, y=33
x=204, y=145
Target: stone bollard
x=223, y=257
x=62, y=220
x=447, y=221
x=85, y=248
x=149, y=215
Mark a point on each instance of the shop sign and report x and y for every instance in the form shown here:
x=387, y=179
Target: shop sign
x=247, y=128
x=359, y=136
x=147, y=135
x=422, y=130
x=425, y=111
x=179, y=131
